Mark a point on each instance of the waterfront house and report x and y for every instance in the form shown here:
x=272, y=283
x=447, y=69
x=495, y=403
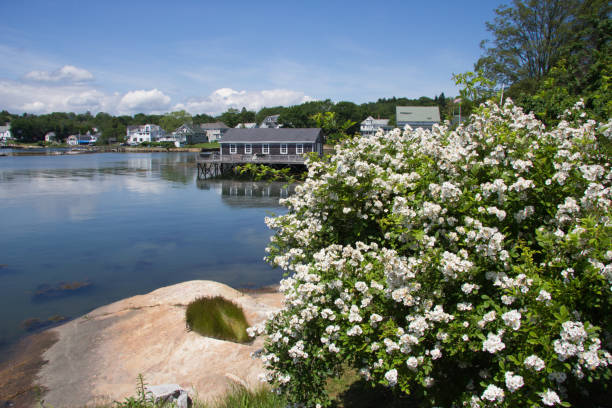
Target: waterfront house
x=214, y=131
x=144, y=133
x=417, y=116
x=50, y=137
x=370, y=126
x=80, y=140
x=270, y=122
x=188, y=134
x=5, y=132
x=271, y=142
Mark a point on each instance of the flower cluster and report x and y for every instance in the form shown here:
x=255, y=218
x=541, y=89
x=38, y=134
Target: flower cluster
x=465, y=267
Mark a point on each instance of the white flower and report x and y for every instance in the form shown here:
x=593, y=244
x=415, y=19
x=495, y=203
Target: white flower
x=543, y=296
x=435, y=354
x=493, y=343
x=391, y=377
x=354, y=331
x=512, y=319
x=513, y=382
x=412, y=362
x=493, y=393
x=534, y=362
x=467, y=288
x=361, y=286
x=550, y=398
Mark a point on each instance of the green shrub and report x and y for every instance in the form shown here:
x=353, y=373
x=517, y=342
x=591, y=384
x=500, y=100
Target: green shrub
x=217, y=317
x=468, y=267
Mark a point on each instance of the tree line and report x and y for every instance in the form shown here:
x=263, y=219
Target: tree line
x=32, y=128
x=548, y=54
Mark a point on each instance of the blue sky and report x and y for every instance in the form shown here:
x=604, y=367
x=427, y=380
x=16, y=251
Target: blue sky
x=125, y=57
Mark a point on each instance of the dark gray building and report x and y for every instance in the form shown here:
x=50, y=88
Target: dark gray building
x=274, y=142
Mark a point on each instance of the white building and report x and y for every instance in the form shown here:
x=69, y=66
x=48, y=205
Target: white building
x=50, y=137
x=370, y=125
x=270, y=122
x=144, y=133
x=248, y=125
x=214, y=131
x=5, y=132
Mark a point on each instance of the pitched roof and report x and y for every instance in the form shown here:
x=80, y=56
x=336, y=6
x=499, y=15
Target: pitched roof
x=261, y=135
x=381, y=122
x=215, y=125
x=417, y=114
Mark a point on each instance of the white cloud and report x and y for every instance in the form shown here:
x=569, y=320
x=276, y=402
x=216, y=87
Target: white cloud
x=67, y=73
x=222, y=99
x=42, y=98
x=144, y=101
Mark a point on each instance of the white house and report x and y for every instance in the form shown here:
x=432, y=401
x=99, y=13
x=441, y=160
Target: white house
x=214, y=131
x=248, y=125
x=144, y=133
x=50, y=137
x=5, y=132
x=76, y=140
x=270, y=122
x=370, y=125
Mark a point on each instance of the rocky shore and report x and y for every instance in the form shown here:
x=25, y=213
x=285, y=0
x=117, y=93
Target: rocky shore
x=97, y=357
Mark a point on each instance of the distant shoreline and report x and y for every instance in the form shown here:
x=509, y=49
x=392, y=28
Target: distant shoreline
x=33, y=150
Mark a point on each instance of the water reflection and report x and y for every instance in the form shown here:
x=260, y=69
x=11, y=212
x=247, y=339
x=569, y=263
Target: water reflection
x=248, y=193
x=125, y=223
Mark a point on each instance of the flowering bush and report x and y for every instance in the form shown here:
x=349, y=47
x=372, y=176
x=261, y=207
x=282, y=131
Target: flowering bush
x=468, y=267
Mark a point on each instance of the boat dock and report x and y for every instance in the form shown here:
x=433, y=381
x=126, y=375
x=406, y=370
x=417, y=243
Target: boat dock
x=213, y=164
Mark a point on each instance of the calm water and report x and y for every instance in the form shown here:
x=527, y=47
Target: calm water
x=120, y=224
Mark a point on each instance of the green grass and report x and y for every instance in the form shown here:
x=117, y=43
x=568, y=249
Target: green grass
x=240, y=397
x=236, y=397
x=211, y=145
x=217, y=317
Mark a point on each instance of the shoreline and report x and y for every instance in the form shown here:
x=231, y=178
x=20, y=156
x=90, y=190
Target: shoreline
x=35, y=367
x=27, y=150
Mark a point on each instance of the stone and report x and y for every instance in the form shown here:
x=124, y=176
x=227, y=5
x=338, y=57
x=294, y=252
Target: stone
x=169, y=394
x=147, y=334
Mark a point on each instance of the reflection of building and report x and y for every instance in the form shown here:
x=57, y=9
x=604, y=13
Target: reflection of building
x=417, y=116
x=144, y=133
x=370, y=125
x=248, y=193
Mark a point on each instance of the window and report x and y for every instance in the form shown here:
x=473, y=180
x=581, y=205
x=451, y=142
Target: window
x=248, y=148
x=265, y=149
x=283, y=149
x=299, y=149
x=233, y=149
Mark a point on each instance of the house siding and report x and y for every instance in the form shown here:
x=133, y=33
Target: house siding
x=257, y=148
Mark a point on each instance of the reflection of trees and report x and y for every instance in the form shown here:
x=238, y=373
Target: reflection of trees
x=177, y=172
x=248, y=193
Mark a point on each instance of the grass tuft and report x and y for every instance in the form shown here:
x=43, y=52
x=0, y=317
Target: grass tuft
x=217, y=317
x=240, y=397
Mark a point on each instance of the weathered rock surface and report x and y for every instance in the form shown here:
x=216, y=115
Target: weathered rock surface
x=169, y=394
x=98, y=356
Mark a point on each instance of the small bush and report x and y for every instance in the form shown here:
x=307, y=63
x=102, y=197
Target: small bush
x=217, y=317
